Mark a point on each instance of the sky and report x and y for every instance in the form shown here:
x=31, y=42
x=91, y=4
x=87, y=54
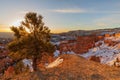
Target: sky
x=63, y=15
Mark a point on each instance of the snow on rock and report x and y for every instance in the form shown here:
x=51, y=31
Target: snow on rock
x=112, y=38
x=107, y=54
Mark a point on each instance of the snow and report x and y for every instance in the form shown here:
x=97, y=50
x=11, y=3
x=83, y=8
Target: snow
x=28, y=62
x=108, y=54
x=56, y=53
x=70, y=52
x=112, y=38
x=55, y=43
x=106, y=32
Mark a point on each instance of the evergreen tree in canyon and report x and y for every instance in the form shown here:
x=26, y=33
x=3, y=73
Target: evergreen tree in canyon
x=31, y=39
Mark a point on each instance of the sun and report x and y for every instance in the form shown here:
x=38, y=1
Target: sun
x=16, y=23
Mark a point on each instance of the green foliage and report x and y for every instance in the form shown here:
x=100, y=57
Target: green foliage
x=32, y=38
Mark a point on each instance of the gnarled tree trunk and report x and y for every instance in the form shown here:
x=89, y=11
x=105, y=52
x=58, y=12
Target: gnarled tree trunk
x=35, y=63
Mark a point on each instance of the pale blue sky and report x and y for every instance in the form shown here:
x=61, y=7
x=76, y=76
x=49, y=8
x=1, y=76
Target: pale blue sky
x=63, y=15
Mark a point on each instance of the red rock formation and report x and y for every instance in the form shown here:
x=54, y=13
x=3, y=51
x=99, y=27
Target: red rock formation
x=107, y=35
x=69, y=45
x=10, y=71
x=94, y=58
x=117, y=34
x=100, y=37
x=84, y=43
x=81, y=45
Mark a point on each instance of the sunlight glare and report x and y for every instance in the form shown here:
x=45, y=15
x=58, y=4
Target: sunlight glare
x=16, y=23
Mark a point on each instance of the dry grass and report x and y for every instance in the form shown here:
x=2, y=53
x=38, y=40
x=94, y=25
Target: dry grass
x=73, y=68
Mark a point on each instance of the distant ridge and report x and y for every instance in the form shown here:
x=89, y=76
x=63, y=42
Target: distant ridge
x=90, y=32
x=6, y=35
x=73, y=32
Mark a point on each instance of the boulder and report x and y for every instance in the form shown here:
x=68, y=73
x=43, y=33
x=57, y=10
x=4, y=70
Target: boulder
x=95, y=58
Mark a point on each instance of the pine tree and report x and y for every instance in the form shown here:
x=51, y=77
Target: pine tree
x=32, y=38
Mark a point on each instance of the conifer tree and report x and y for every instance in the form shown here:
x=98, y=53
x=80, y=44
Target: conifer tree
x=31, y=39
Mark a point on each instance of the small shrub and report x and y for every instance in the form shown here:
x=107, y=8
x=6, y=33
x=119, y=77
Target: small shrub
x=19, y=67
